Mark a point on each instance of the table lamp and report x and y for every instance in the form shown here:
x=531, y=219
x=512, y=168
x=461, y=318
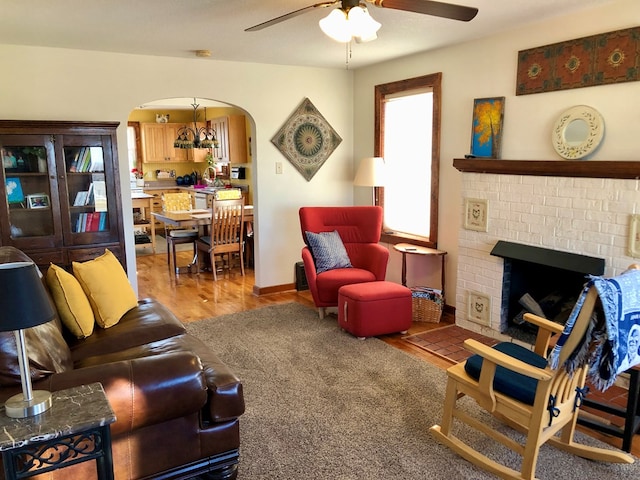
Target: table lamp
x=24, y=303
x=370, y=174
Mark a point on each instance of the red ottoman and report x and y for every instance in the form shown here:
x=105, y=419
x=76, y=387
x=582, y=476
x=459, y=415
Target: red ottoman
x=374, y=308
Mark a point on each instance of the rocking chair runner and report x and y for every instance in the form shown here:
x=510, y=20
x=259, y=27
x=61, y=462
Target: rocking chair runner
x=516, y=386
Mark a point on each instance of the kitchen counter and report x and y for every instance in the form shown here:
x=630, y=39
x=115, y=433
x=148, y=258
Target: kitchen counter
x=165, y=185
x=244, y=188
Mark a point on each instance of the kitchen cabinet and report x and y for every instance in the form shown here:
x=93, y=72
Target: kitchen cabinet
x=157, y=144
x=231, y=132
x=62, y=190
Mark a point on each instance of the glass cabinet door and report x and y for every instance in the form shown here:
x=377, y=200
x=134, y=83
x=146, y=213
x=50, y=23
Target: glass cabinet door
x=89, y=218
x=28, y=167
x=87, y=190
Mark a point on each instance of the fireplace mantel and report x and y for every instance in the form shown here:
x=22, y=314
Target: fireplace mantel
x=551, y=168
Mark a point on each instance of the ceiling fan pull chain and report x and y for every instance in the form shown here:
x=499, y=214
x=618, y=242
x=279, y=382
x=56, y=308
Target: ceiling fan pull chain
x=347, y=54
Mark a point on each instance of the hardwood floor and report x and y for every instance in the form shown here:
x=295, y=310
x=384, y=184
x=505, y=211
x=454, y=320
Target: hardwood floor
x=194, y=297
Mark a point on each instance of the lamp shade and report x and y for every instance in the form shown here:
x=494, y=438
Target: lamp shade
x=342, y=26
x=24, y=302
x=370, y=172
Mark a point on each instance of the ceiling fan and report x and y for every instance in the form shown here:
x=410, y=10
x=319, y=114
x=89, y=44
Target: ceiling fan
x=427, y=7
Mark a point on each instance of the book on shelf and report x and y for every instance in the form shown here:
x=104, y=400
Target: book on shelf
x=95, y=221
x=91, y=222
x=88, y=159
x=82, y=218
x=89, y=199
x=103, y=222
x=73, y=167
x=80, y=199
x=96, y=161
x=88, y=226
x=100, y=195
x=79, y=160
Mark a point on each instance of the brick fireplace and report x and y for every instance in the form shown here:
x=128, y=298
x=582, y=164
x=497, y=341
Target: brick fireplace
x=577, y=207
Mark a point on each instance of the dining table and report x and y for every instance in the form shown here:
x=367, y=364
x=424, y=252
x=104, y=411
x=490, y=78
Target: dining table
x=198, y=217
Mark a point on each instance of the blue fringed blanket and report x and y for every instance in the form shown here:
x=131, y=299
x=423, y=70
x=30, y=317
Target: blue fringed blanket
x=612, y=344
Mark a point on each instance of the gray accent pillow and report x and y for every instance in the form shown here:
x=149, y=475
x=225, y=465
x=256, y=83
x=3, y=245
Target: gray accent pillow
x=328, y=251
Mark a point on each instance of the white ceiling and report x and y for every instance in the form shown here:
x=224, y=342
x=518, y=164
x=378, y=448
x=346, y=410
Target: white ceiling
x=176, y=28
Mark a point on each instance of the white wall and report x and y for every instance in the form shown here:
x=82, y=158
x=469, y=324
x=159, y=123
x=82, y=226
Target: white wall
x=59, y=84
x=487, y=68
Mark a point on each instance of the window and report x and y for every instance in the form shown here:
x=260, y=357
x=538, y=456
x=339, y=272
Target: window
x=408, y=138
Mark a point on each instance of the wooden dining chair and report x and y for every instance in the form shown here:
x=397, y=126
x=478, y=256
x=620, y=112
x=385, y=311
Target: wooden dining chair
x=519, y=388
x=175, y=202
x=225, y=233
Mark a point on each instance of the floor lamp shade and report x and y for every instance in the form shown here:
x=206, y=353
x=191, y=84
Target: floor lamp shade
x=370, y=172
x=24, y=303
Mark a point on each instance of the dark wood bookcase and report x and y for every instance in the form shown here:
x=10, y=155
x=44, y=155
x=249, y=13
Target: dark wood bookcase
x=61, y=199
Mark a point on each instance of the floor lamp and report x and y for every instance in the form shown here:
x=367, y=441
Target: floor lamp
x=24, y=303
x=370, y=174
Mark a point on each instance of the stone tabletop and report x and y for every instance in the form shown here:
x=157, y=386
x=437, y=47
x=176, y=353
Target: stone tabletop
x=74, y=410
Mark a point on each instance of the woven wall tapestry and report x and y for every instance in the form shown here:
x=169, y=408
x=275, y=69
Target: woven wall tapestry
x=306, y=139
x=602, y=59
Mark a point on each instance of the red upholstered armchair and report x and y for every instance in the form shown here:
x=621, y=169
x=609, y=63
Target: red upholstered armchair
x=359, y=229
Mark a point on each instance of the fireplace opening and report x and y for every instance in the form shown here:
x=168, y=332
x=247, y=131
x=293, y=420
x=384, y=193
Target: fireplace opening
x=542, y=281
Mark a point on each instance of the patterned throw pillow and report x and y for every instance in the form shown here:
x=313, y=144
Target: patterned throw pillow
x=328, y=251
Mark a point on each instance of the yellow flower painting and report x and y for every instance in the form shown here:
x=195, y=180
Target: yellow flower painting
x=486, y=134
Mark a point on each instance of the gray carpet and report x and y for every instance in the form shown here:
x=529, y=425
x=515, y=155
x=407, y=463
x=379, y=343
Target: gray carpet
x=324, y=405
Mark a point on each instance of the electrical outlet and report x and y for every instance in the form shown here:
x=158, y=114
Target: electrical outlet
x=278, y=168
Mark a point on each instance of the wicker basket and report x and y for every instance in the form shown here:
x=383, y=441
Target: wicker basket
x=427, y=304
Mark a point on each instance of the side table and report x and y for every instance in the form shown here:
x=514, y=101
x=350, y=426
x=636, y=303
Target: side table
x=74, y=430
x=144, y=202
x=630, y=412
x=407, y=248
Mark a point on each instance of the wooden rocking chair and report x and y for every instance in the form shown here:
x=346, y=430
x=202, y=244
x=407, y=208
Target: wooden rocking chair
x=517, y=387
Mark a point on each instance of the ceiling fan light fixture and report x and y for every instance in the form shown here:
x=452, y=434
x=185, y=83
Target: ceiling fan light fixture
x=363, y=26
x=357, y=23
x=336, y=26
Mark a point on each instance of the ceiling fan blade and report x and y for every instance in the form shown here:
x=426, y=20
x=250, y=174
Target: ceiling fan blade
x=429, y=7
x=289, y=15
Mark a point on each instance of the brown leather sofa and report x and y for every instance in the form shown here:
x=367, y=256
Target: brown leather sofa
x=177, y=405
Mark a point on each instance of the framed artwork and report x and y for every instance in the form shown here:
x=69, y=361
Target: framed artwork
x=38, y=200
x=306, y=139
x=479, y=308
x=634, y=236
x=601, y=59
x=475, y=214
x=14, y=190
x=486, y=129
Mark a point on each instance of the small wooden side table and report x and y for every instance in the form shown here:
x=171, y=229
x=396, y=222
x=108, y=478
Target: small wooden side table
x=407, y=248
x=144, y=202
x=75, y=428
x=630, y=413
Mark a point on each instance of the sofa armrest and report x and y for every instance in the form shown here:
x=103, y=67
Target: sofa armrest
x=143, y=391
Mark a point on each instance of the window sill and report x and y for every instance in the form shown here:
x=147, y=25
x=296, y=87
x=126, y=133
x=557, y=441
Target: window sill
x=396, y=237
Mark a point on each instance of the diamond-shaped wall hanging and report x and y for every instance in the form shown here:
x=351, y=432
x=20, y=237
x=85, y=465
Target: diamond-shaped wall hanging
x=306, y=139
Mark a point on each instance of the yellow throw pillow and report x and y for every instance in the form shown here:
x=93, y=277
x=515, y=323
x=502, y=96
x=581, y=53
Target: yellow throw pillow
x=71, y=302
x=107, y=287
